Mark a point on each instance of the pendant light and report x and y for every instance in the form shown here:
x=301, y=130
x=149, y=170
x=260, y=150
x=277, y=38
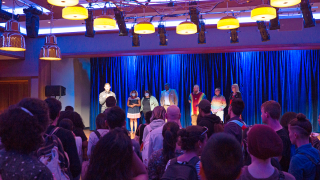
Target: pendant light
x=228, y=22
x=75, y=13
x=63, y=3
x=144, y=27
x=263, y=13
x=284, y=3
x=50, y=51
x=104, y=22
x=12, y=39
x=186, y=27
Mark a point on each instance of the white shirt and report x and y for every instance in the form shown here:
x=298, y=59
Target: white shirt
x=166, y=98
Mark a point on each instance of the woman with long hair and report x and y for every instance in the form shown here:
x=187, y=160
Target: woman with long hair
x=160, y=158
x=235, y=93
x=133, y=104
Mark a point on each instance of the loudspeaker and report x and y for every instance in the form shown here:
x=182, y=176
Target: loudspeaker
x=55, y=91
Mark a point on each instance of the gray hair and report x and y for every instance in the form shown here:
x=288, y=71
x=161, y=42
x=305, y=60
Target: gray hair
x=236, y=86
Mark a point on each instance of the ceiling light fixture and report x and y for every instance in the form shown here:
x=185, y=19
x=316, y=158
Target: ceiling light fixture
x=265, y=36
x=202, y=32
x=75, y=13
x=284, y=3
x=104, y=22
x=135, y=38
x=162, y=35
x=263, y=13
x=63, y=3
x=144, y=27
x=228, y=22
x=12, y=39
x=186, y=27
x=234, y=36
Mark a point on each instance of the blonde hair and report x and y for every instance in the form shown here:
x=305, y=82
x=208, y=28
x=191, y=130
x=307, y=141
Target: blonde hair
x=236, y=86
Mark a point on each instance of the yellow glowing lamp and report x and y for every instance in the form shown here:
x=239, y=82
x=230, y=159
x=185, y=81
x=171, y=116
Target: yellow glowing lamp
x=74, y=13
x=263, y=13
x=12, y=39
x=186, y=28
x=104, y=22
x=284, y=3
x=63, y=3
x=144, y=28
x=228, y=22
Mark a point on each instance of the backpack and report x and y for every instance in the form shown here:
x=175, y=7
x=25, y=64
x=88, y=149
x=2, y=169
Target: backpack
x=99, y=136
x=317, y=164
x=181, y=171
x=145, y=147
x=53, y=156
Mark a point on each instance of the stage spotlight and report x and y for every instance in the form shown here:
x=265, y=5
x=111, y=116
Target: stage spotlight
x=123, y=31
x=89, y=24
x=162, y=35
x=305, y=7
x=265, y=36
x=32, y=21
x=274, y=23
x=135, y=38
x=234, y=36
x=194, y=16
x=202, y=33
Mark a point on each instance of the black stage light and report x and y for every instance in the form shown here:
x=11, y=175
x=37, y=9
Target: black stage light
x=234, y=36
x=274, y=23
x=135, y=38
x=265, y=36
x=118, y=14
x=194, y=16
x=305, y=7
x=89, y=24
x=202, y=33
x=32, y=21
x=162, y=35
x=170, y=4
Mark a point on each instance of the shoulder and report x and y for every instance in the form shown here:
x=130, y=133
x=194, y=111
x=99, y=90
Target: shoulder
x=288, y=176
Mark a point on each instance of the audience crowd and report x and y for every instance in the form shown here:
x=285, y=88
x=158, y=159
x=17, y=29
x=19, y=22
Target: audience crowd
x=39, y=141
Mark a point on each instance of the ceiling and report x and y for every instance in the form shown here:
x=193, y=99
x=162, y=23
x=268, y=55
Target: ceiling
x=212, y=11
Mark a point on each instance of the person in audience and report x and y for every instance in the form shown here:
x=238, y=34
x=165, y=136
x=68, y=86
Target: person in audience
x=101, y=124
x=139, y=133
x=21, y=130
x=156, y=137
x=193, y=140
x=270, y=115
x=235, y=125
x=205, y=118
x=113, y=158
x=104, y=95
x=69, y=108
x=263, y=144
x=148, y=103
x=286, y=118
x=235, y=94
x=160, y=158
x=194, y=99
x=218, y=103
x=133, y=110
x=303, y=163
x=111, y=102
x=157, y=119
x=221, y=158
x=66, y=137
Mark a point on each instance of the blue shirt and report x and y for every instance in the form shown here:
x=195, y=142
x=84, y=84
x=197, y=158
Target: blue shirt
x=300, y=166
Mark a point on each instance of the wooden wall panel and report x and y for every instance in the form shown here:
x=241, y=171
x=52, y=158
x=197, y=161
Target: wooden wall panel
x=44, y=77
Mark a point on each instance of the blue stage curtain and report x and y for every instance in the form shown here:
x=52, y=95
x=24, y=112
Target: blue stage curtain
x=289, y=77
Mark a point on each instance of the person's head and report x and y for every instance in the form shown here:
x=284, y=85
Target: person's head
x=112, y=157
x=173, y=114
x=116, y=117
x=286, y=118
x=74, y=117
x=236, y=107
x=235, y=88
x=270, y=111
x=204, y=108
x=66, y=124
x=68, y=108
x=193, y=138
x=158, y=113
x=170, y=138
x=264, y=142
x=300, y=128
x=23, y=125
x=167, y=86
x=217, y=91
x=101, y=121
x=222, y=157
x=134, y=94
x=107, y=87
x=147, y=117
x=147, y=94
x=111, y=101
x=196, y=88
x=54, y=108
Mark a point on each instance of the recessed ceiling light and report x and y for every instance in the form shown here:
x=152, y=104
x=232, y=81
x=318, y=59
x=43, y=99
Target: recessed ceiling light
x=3, y=2
x=49, y=22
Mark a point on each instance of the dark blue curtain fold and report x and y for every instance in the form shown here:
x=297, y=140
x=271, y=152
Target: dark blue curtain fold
x=289, y=77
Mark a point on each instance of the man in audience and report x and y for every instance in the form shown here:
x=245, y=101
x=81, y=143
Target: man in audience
x=270, y=115
x=205, y=118
x=221, y=158
x=66, y=137
x=156, y=138
x=263, y=144
x=235, y=125
x=68, y=108
x=111, y=102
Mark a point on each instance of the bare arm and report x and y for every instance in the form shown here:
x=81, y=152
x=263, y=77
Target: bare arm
x=138, y=168
x=139, y=103
x=128, y=104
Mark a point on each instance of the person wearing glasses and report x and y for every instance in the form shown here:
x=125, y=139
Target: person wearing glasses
x=133, y=110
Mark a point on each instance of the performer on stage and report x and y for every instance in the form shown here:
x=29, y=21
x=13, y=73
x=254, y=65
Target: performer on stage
x=218, y=103
x=235, y=93
x=148, y=103
x=133, y=110
x=168, y=97
x=104, y=95
x=194, y=99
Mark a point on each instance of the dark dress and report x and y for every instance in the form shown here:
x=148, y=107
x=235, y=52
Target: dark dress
x=232, y=97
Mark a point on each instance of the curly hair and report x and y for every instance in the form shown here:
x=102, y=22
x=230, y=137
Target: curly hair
x=112, y=157
x=22, y=125
x=74, y=117
x=190, y=136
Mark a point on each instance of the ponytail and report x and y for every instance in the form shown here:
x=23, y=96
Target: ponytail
x=170, y=138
